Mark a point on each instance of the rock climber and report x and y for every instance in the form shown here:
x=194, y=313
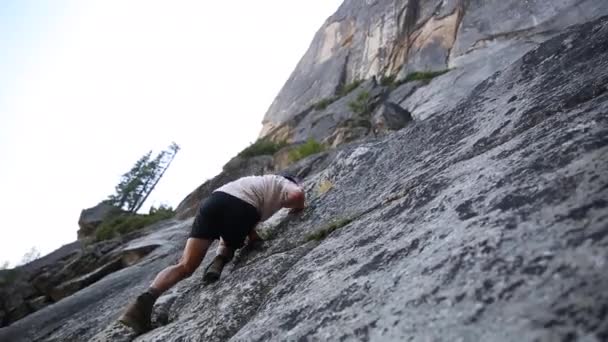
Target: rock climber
x=229, y=214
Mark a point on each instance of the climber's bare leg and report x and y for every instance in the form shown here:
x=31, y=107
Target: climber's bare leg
x=138, y=314
x=193, y=255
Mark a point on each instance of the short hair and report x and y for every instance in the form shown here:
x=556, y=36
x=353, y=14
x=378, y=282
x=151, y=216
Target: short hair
x=290, y=176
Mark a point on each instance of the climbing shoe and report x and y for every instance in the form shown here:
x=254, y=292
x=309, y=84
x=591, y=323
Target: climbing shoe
x=214, y=270
x=139, y=313
x=254, y=245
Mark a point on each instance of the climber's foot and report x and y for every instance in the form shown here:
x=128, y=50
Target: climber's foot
x=255, y=244
x=139, y=313
x=214, y=270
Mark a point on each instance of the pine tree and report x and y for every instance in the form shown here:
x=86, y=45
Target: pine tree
x=160, y=164
x=136, y=185
x=129, y=182
x=30, y=256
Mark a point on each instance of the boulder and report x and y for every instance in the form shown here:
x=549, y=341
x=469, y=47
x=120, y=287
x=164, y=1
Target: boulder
x=390, y=117
x=92, y=217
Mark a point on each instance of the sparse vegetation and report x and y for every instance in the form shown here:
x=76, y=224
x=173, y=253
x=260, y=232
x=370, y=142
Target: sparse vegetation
x=347, y=88
x=424, y=75
x=362, y=104
x=310, y=147
x=387, y=81
x=325, y=231
x=261, y=147
x=127, y=223
x=392, y=83
x=343, y=91
x=321, y=105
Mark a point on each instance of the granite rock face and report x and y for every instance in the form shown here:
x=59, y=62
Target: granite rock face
x=29, y=288
x=486, y=223
x=380, y=38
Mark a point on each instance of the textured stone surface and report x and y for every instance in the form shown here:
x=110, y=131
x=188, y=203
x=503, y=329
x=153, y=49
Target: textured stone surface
x=496, y=20
x=371, y=38
x=362, y=39
x=443, y=93
x=69, y=269
x=79, y=316
x=390, y=116
x=486, y=223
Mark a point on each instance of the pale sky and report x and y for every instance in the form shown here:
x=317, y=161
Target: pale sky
x=88, y=87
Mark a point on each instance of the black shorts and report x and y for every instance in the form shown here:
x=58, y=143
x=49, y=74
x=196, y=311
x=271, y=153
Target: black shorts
x=226, y=216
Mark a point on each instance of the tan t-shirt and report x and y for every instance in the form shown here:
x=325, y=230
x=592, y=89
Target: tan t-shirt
x=266, y=193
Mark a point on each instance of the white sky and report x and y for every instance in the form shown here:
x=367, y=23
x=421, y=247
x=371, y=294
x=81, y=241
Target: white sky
x=87, y=87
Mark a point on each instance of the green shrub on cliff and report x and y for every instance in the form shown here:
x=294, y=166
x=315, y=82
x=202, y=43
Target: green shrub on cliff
x=127, y=223
x=328, y=229
x=261, y=147
x=392, y=83
x=310, y=147
x=347, y=88
x=322, y=104
x=342, y=91
x=362, y=105
x=424, y=75
x=387, y=81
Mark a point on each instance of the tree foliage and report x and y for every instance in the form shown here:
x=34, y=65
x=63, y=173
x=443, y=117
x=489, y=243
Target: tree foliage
x=126, y=223
x=136, y=185
x=362, y=105
x=30, y=256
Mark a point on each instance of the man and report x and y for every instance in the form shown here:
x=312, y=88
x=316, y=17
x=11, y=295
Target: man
x=229, y=214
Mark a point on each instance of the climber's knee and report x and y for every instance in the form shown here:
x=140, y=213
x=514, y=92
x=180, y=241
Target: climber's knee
x=193, y=256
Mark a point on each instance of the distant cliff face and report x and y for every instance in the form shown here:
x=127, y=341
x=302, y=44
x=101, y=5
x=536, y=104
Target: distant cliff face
x=382, y=38
x=463, y=199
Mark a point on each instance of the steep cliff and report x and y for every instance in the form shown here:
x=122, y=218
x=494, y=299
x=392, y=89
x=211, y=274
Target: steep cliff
x=482, y=221
x=395, y=38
